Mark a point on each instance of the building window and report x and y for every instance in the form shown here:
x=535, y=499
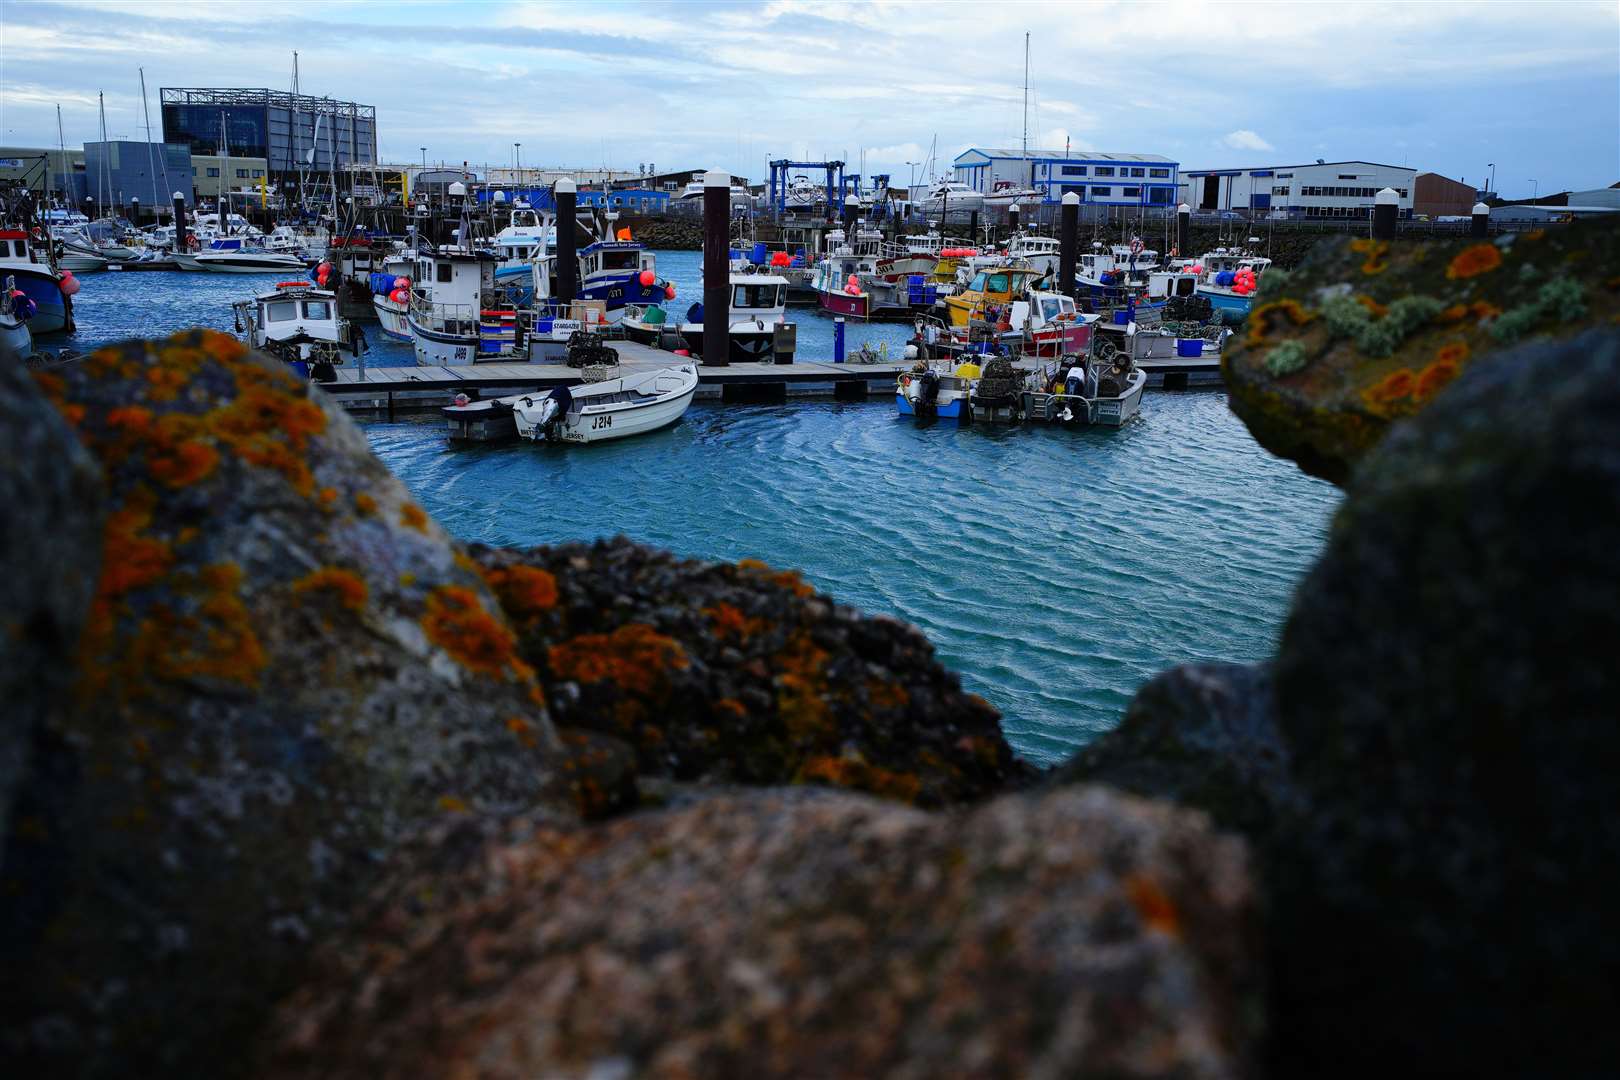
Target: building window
x=1101, y=192
x=1078, y=189
x=1159, y=196
x=1347, y=176
x=1159, y=174
x=1130, y=193
x=1105, y=170
x=1137, y=172
x=1074, y=170
x=241, y=174
x=213, y=172
x=258, y=174
x=1279, y=189
x=1285, y=176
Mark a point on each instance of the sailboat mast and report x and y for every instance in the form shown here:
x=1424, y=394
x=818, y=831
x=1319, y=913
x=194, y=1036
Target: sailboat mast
x=1026, y=94
x=296, y=134
x=101, y=165
x=61, y=147
x=151, y=169
x=224, y=163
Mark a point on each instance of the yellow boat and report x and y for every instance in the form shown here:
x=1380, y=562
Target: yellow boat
x=990, y=294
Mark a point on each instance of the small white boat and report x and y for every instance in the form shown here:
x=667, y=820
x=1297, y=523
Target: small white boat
x=16, y=343
x=1006, y=195
x=950, y=197
x=300, y=324
x=594, y=412
x=236, y=255
x=611, y=409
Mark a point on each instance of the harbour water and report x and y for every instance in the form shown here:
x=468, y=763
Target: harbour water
x=1055, y=569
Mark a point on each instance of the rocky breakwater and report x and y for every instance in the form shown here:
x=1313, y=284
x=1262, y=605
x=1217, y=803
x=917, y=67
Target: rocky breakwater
x=1426, y=767
x=292, y=752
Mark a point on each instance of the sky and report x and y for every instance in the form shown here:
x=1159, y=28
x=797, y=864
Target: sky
x=1442, y=87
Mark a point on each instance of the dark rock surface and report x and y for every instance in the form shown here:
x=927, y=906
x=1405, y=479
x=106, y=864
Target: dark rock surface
x=286, y=668
x=744, y=674
x=1202, y=735
x=799, y=933
x=1435, y=815
x=1448, y=688
x=1367, y=332
x=50, y=551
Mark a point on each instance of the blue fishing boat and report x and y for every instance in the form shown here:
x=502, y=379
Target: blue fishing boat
x=38, y=280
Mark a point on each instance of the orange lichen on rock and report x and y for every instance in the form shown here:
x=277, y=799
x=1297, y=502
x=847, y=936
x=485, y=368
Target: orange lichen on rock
x=218, y=643
x=348, y=587
x=634, y=657
x=1260, y=319
x=364, y=504
x=457, y=622
x=728, y=621
x=1392, y=388
x=854, y=773
x=522, y=728
x=1153, y=905
x=414, y=517
x=180, y=451
x=164, y=383
x=1377, y=251
x=133, y=420
x=1432, y=379
x=129, y=559
x=886, y=695
x=801, y=689
x=1474, y=260
x=524, y=591
x=1374, y=308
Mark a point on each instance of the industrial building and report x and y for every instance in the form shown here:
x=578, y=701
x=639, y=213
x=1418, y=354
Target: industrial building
x=1322, y=189
x=1099, y=178
x=292, y=133
x=1436, y=196
x=58, y=174
x=119, y=172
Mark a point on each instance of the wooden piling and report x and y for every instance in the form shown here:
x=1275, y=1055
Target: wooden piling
x=1068, y=243
x=567, y=236
x=716, y=268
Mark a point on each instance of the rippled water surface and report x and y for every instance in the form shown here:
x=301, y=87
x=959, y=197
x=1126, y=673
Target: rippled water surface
x=1055, y=569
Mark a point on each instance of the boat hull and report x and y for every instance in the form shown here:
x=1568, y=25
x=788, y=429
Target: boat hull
x=392, y=317
x=55, y=312
x=16, y=343
x=606, y=423
x=288, y=265
x=437, y=348
x=81, y=262
x=751, y=346
x=851, y=306
x=1228, y=301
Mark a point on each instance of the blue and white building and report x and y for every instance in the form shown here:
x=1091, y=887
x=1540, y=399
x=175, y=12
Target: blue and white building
x=1098, y=178
x=1322, y=189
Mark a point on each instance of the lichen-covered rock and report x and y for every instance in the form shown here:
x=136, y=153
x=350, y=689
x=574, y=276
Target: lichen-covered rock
x=1448, y=690
x=50, y=552
x=1201, y=735
x=743, y=674
x=286, y=667
x=1366, y=331
x=799, y=933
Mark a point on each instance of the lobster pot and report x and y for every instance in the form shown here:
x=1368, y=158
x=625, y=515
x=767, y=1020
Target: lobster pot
x=497, y=331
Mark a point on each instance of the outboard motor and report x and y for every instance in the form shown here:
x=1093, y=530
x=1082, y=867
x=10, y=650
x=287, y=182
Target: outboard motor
x=927, y=402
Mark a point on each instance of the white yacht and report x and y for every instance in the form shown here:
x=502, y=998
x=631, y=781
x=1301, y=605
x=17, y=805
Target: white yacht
x=238, y=255
x=950, y=197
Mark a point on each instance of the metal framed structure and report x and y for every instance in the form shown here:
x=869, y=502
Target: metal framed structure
x=293, y=132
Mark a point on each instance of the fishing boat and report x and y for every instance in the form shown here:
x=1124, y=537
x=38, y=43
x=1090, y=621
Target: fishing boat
x=453, y=289
x=30, y=267
x=937, y=388
x=989, y=296
x=1083, y=391
x=1229, y=278
x=614, y=408
x=300, y=324
x=1040, y=252
x=619, y=273
x=866, y=278
x=391, y=295
x=1172, y=355
x=238, y=255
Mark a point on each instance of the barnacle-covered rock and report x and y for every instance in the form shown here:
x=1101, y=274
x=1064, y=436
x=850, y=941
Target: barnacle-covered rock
x=1366, y=331
x=744, y=674
x=50, y=552
x=286, y=667
x=795, y=933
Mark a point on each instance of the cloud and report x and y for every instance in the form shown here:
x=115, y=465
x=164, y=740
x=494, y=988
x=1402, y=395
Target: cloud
x=1244, y=139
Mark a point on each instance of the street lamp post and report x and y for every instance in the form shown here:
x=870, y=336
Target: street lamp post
x=1492, y=190
x=1535, y=192
x=518, y=151
x=913, y=176
x=424, y=157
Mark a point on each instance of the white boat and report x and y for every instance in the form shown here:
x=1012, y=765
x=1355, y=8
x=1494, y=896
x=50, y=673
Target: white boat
x=594, y=412
x=16, y=343
x=32, y=272
x=394, y=315
x=1006, y=195
x=950, y=197
x=80, y=260
x=758, y=305
x=238, y=255
x=1041, y=252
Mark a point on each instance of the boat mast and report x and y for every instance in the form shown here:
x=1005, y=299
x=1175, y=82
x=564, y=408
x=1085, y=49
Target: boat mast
x=151, y=170
x=101, y=166
x=296, y=133
x=61, y=148
x=224, y=163
x=1026, y=97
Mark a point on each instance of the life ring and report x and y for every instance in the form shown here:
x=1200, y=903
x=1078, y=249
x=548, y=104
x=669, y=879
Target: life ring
x=192, y=243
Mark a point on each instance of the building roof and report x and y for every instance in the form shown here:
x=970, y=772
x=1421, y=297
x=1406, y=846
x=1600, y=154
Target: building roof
x=1307, y=165
x=1085, y=155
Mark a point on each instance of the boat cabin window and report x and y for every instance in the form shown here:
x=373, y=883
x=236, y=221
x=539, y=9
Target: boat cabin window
x=621, y=260
x=1185, y=286
x=317, y=309
x=444, y=271
x=998, y=283
x=755, y=296
x=280, y=311
x=1050, y=308
x=978, y=283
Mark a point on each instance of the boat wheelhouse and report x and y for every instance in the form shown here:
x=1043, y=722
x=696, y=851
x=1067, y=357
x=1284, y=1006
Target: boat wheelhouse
x=989, y=296
x=452, y=296
x=300, y=324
